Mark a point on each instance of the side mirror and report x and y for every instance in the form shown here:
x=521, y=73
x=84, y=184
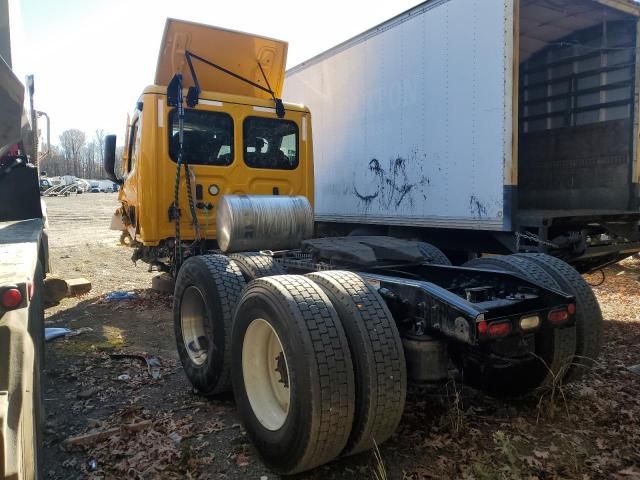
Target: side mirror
x=110, y=158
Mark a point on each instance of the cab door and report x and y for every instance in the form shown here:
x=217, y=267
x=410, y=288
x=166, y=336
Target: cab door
x=129, y=190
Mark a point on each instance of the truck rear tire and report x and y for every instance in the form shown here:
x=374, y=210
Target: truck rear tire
x=255, y=265
x=207, y=291
x=377, y=354
x=554, y=347
x=588, y=315
x=292, y=373
x=433, y=254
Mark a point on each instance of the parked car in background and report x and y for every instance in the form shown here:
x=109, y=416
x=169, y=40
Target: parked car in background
x=45, y=184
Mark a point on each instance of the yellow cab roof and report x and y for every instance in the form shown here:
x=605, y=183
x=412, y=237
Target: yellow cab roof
x=230, y=98
x=239, y=52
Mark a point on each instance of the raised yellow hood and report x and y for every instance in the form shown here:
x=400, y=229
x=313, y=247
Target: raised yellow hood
x=236, y=51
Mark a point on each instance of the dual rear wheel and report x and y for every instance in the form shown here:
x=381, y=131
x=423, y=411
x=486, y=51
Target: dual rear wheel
x=321, y=360
x=315, y=361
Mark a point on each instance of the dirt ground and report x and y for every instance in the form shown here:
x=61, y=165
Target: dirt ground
x=588, y=430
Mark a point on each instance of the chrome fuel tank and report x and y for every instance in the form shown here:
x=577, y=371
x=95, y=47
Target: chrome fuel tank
x=263, y=222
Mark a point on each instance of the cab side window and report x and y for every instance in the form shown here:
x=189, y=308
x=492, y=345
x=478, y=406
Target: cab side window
x=270, y=143
x=134, y=145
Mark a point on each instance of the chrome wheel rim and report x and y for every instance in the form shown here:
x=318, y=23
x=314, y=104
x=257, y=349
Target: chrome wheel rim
x=193, y=314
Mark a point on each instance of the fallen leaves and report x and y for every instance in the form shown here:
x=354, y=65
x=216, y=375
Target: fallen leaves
x=596, y=436
x=242, y=460
x=630, y=473
x=101, y=435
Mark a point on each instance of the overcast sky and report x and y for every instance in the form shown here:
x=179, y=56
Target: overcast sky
x=91, y=59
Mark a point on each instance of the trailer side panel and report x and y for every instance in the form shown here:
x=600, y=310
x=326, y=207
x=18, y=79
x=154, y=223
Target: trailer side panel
x=424, y=131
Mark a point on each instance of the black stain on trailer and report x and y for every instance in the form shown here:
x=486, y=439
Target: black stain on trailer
x=392, y=185
x=478, y=210
x=366, y=199
x=374, y=166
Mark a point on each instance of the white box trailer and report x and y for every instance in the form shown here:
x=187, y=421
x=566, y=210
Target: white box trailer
x=513, y=122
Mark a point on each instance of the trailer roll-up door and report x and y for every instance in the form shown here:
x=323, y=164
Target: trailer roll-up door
x=577, y=106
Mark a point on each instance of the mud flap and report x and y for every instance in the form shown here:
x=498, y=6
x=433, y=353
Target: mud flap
x=116, y=221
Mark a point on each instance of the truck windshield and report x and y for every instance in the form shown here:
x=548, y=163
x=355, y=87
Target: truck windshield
x=208, y=137
x=270, y=143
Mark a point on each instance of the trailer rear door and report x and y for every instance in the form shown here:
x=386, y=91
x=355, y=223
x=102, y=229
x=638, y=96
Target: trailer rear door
x=577, y=106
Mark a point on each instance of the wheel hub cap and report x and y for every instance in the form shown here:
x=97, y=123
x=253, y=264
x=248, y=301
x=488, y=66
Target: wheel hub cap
x=192, y=321
x=266, y=374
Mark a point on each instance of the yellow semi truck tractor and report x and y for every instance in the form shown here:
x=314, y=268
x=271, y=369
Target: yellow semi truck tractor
x=318, y=337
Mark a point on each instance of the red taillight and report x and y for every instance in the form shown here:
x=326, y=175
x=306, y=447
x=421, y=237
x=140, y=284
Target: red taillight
x=571, y=308
x=482, y=328
x=11, y=298
x=558, y=316
x=499, y=329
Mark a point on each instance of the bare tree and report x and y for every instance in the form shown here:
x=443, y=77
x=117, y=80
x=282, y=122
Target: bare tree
x=88, y=169
x=72, y=142
x=99, y=146
x=75, y=156
x=54, y=163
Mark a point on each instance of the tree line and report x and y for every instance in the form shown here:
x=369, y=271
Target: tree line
x=77, y=155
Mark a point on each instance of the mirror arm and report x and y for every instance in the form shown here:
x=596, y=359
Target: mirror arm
x=46, y=153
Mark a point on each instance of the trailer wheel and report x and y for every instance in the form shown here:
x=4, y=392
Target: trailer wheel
x=433, y=254
x=554, y=347
x=588, y=314
x=207, y=291
x=377, y=354
x=292, y=373
x=255, y=265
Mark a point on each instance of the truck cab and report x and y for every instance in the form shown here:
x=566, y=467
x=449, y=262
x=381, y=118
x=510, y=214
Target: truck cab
x=234, y=140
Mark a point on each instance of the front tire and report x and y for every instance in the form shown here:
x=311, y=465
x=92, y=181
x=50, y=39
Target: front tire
x=207, y=291
x=292, y=373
